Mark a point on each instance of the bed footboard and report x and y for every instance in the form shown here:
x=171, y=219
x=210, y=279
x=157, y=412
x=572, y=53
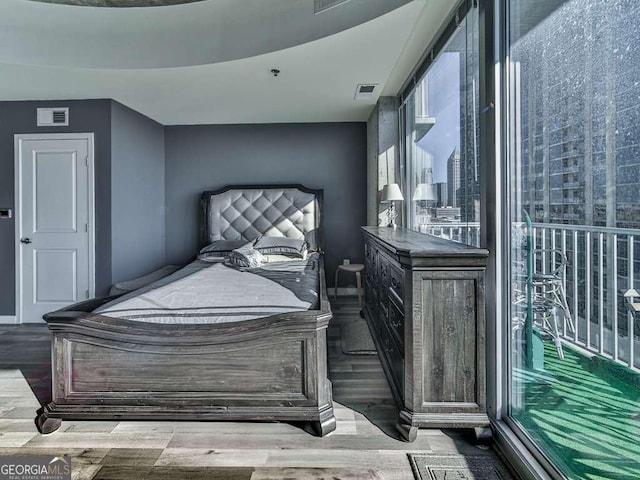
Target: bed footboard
x=266, y=369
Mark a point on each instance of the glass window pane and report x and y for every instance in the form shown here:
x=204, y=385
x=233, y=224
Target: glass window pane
x=574, y=154
x=441, y=142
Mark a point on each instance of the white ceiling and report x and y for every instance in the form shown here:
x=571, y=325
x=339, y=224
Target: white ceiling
x=119, y=3
x=199, y=33
x=317, y=82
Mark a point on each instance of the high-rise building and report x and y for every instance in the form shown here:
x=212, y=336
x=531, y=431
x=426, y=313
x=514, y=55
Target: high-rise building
x=453, y=178
x=579, y=147
x=580, y=156
x=468, y=195
x=442, y=194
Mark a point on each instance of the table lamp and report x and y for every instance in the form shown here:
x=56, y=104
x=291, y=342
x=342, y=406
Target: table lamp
x=424, y=193
x=391, y=193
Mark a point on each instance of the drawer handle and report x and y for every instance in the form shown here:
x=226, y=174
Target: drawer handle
x=395, y=324
x=395, y=283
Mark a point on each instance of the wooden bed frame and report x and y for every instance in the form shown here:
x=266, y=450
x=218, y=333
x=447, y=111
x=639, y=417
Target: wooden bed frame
x=270, y=369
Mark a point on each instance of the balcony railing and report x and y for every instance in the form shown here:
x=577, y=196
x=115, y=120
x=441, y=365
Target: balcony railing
x=468, y=233
x=601, y=267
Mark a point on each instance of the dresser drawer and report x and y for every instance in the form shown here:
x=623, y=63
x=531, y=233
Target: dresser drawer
x=396, y=283
x=371, y=273
x=396, y=323
x=394, y=358
x=370, y=294
x=376, y=321
x=384, y=269
x=369, y=257
x=383, y=278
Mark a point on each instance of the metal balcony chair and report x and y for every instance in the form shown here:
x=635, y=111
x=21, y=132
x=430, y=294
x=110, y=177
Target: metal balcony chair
x=538, y=297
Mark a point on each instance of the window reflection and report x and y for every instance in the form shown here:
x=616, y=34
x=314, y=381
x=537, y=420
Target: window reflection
x=574, y=143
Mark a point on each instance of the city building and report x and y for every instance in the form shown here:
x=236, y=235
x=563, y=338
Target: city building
x=453, y=179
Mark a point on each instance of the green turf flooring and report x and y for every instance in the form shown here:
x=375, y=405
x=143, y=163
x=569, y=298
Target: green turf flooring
x=585, y=415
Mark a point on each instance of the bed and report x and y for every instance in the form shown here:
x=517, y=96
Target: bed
x=209, y=342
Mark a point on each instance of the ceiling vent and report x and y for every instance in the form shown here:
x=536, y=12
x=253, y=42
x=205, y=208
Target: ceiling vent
x=324, y=5
x=53, y=117
x=366, y=91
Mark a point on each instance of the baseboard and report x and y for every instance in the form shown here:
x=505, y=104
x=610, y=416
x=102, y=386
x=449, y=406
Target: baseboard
x=8, y=320
x=347, y=291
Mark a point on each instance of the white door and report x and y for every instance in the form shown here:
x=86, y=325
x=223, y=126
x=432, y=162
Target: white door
x=54, y=222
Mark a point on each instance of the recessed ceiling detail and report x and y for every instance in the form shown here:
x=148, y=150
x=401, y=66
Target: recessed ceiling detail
x=193, y=33
x=118, y=3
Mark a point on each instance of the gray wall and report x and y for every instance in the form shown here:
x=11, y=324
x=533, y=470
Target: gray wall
x=383, y=143
x=330, y=156
x=148, y=179
x=137, y=201
x=84, y=116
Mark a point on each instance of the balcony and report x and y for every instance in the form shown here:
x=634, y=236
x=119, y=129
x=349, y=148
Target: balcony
x=597, y=276
x=421, y=126
x=599, y=271
x=584, y=411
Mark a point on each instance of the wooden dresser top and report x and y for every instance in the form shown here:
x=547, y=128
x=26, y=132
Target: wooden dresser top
x=415, y=249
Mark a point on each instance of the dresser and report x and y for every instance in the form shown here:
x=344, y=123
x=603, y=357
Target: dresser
x=424, y=304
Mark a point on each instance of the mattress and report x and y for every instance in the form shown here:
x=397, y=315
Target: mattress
x=208, y=293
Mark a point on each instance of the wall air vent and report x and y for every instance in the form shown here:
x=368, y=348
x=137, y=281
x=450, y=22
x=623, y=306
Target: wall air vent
x=53, y=117
x=366, y=91
x=324, y=5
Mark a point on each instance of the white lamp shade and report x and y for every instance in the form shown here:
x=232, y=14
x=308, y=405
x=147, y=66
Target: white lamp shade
x=391, y=192
x=425, y=191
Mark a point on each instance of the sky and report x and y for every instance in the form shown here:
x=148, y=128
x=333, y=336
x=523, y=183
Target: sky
x=444, y=104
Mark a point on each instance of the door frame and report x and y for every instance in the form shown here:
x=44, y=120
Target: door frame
x=18, y=139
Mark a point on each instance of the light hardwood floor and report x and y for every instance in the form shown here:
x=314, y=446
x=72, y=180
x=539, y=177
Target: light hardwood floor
x=364, y=445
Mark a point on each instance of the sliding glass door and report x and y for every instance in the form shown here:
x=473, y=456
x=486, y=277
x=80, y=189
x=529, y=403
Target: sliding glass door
x=573, y=136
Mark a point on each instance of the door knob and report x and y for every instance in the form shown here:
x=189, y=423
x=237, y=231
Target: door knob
x=25, y=240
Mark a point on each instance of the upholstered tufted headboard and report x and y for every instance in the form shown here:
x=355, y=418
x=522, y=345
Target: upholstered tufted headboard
x=248, y=211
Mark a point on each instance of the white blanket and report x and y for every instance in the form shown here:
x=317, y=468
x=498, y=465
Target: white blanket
x=205, y=292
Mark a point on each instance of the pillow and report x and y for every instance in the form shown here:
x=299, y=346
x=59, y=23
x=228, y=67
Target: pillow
x=291, y=247
x=275, y=258
x=223, y=246
x=214, y=257
x=245, y=256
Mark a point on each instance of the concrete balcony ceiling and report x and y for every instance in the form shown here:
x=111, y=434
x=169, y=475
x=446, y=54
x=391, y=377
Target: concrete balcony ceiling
x=210, y=61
